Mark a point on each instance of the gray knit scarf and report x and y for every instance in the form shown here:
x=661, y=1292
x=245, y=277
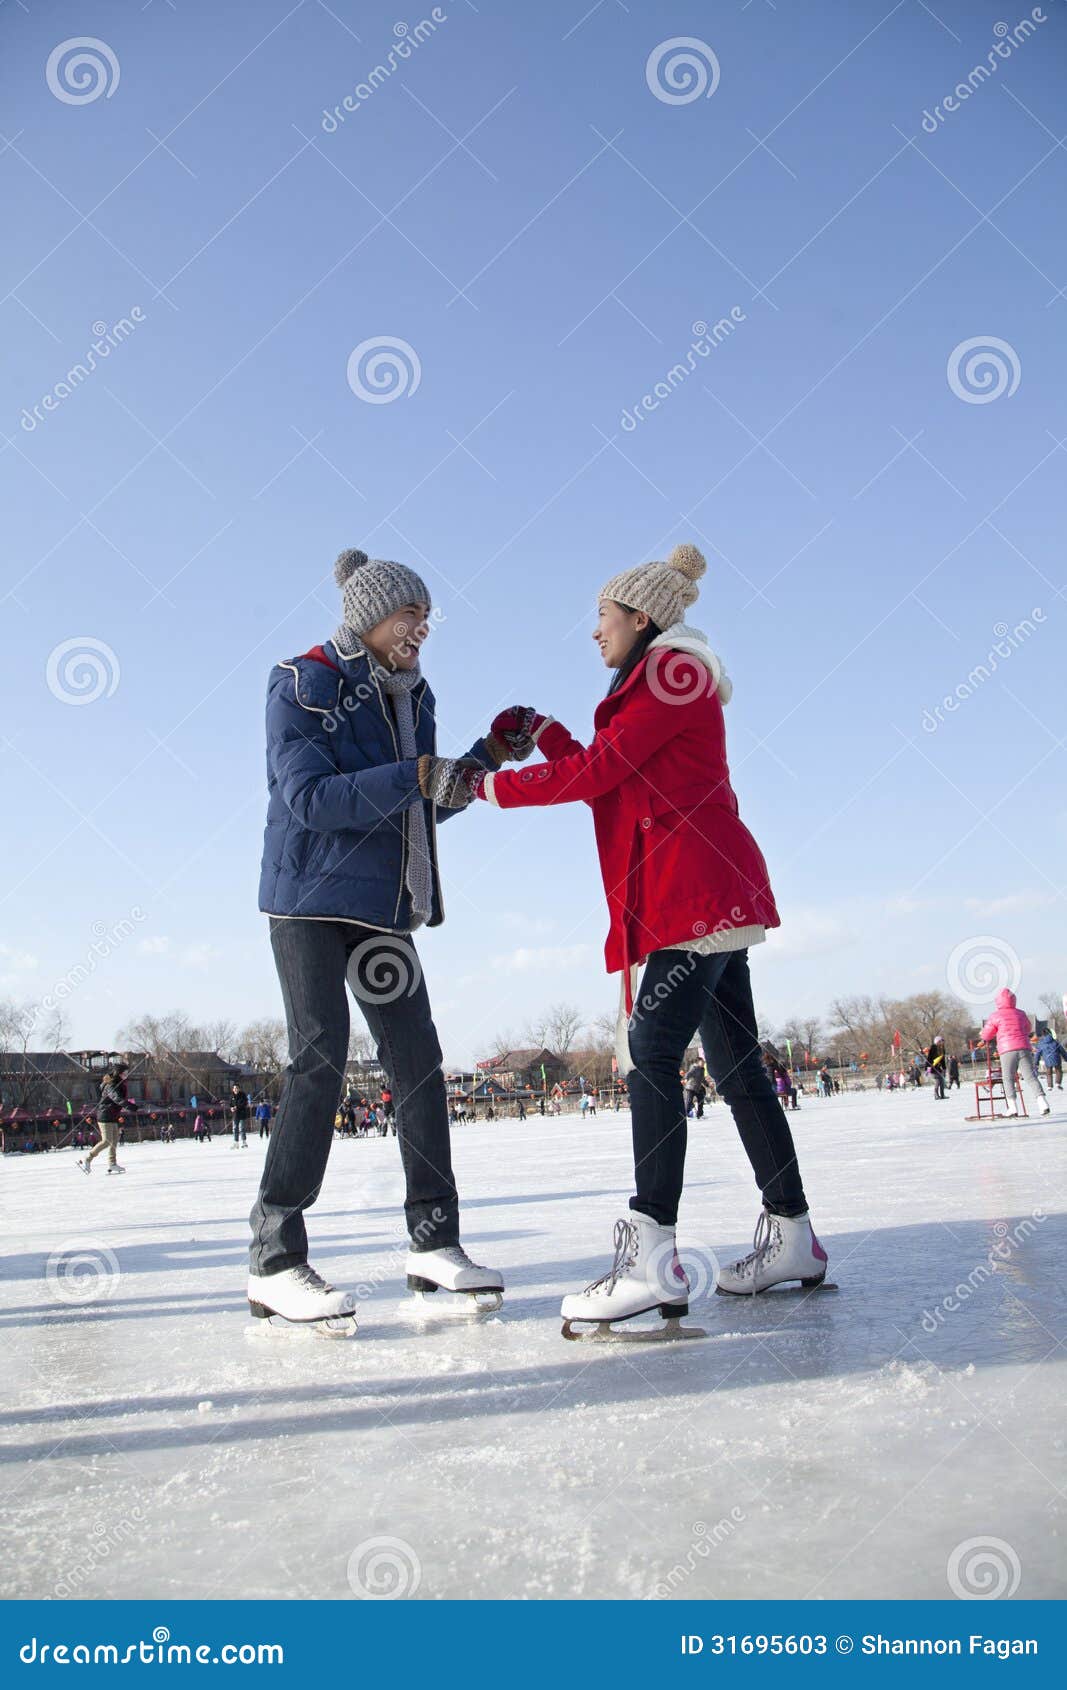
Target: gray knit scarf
x=399, y=685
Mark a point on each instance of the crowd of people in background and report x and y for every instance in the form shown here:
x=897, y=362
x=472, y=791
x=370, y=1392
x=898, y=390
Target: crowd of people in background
x=358, y=1117
x=1025, y=1059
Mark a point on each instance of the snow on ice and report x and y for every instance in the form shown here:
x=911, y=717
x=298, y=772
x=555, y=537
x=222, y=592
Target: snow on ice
x=852, y=1444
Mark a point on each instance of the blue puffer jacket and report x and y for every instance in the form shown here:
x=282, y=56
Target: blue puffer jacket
x=1050, y=1051
x=336, y=839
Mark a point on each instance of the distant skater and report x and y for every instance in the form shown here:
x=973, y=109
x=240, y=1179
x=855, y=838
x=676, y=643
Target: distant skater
x=1011, y=1029
x=239, y=1114
x=114, y=1101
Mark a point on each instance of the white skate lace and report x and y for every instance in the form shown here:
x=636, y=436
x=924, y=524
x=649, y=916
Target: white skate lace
x=766, y=1242
x=314, y=1281
x=457, y=1255
x=625, y=1256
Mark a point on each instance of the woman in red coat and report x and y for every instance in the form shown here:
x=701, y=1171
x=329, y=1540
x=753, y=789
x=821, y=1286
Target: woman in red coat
x=688, y=894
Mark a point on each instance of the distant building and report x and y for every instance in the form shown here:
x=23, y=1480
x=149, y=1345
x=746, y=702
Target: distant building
x=365, y=1074
x=45, y=1081
x=517, y=1070
x=40, y=1081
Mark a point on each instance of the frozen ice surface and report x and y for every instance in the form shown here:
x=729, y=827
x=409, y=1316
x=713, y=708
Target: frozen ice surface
x=844, y=1444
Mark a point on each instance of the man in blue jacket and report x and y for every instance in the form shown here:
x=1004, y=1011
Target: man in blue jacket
x=349, y=872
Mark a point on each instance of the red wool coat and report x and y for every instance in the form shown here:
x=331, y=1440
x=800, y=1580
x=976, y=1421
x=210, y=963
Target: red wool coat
x=676, y=859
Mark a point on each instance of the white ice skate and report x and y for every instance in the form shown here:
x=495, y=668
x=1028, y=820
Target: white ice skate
x=300, y=1298
x=479, y=1290
x=1043, y=1107
x=85, y=1165
x=645, y=1275
x=115, y=1168
x=784, y=1249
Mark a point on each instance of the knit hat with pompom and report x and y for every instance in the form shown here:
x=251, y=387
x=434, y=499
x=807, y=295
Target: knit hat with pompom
x=372, y=589
x=664, y=591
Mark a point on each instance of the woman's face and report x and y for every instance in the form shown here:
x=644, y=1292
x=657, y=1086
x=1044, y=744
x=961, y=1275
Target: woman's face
x=616, y=632
x=396, y=641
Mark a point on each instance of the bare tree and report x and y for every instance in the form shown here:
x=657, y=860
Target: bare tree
x=1055, y=1006
x=811, y=1035
x=167, y=1042
x=24, y=1083
x=360, y=1044
x=500, y=1044
x=220, y=1036
x=602, y=1029
x=562, y=1024
x=535, y=1032
x=264, y=1046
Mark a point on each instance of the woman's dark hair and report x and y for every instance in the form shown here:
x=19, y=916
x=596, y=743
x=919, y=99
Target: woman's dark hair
x=636, y=653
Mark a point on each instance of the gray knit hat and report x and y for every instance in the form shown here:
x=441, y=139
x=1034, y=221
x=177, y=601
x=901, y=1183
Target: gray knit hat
x=372, y=589
x=662, y=590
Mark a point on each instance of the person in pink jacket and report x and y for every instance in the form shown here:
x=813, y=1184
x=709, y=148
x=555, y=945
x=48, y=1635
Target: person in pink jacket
x=1011, y=1029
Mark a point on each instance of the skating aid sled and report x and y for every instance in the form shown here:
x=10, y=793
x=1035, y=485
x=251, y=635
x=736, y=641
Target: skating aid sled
x=612, y=1331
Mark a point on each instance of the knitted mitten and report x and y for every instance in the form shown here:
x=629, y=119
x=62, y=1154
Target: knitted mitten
x=519, y=728
x=450, y=781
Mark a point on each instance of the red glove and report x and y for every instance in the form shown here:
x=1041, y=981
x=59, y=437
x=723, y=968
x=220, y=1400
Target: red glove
x=517, y=729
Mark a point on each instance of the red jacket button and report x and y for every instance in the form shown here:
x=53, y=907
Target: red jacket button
x=646, y=821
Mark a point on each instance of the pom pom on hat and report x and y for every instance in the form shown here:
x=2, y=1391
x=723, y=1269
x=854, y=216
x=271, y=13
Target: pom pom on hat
x=347, y=564
x=688, y=561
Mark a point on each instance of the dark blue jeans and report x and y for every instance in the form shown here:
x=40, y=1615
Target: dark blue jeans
x=681, y=994
x=318, y=962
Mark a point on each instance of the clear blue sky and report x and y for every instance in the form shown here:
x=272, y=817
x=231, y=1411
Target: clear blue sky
x=516, y=203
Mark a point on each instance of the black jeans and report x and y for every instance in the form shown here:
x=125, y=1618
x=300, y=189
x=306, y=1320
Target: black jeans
x=682, y=993
x=315, y=959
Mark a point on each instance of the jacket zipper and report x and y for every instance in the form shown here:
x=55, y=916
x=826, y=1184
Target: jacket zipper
x=435, y=878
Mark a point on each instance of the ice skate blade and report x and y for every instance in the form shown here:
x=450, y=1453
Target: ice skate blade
x=605, y=1332
x=267, y=1324
x=453, y=1305
x=802, y=1289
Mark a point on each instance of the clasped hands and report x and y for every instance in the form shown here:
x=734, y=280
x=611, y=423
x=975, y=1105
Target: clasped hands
x=452, y=782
